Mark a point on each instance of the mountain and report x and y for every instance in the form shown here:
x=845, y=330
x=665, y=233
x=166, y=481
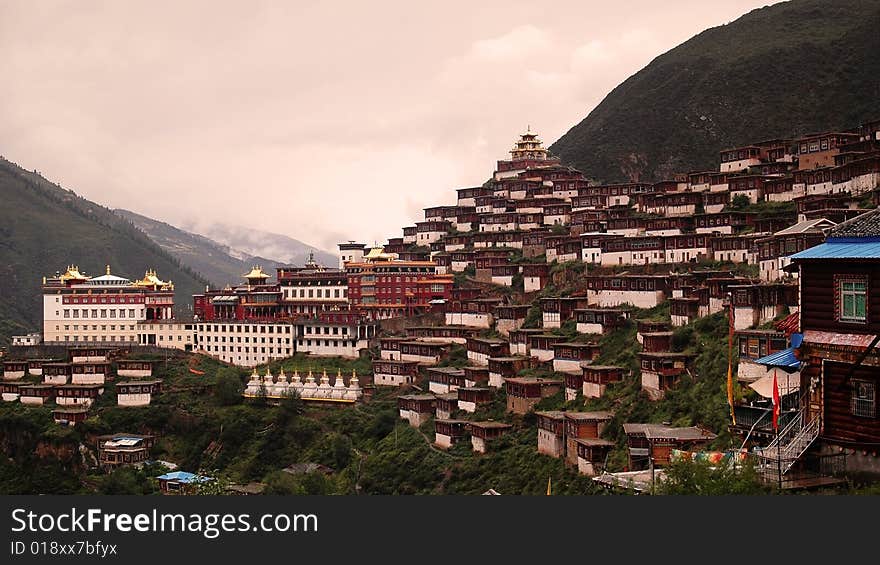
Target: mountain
x=778, y=71
x=44, y=228
x=218, y=263
x=253, y=242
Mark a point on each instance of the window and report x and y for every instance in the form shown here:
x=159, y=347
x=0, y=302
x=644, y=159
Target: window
x=852, y=300
x=863, y=399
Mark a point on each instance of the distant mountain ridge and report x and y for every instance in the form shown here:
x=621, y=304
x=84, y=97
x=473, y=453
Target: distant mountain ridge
x=44, y=228
x=779, y=71
x=219, y=264
x=259, y=243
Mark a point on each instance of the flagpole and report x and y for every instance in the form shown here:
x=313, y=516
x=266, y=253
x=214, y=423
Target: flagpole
x=778, y=460
x=776, y=410
x=730, y=327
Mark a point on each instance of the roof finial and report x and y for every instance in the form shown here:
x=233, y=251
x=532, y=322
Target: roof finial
x=528, y=128
x=108, y=269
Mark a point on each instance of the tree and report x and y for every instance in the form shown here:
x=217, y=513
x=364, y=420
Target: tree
x=740, y=202
x=700, y=477
x=228, y=389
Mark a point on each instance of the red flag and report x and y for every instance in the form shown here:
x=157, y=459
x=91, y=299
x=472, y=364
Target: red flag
x=775, y=402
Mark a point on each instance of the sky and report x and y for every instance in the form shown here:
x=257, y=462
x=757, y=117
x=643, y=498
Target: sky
x=324, y=121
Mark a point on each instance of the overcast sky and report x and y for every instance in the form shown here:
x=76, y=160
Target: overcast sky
x=324, y=121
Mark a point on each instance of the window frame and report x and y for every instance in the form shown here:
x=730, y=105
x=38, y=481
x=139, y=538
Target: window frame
x=840, y=296
x=869, y=408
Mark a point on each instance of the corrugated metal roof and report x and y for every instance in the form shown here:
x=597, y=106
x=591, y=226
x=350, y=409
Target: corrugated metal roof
x=831, y=249
x=784, y=358
x=184, y=477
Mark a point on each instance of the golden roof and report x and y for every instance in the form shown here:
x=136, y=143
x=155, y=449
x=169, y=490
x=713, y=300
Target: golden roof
x=377, y=253
x=152, y=280
x=73, y=274
x=256, y=273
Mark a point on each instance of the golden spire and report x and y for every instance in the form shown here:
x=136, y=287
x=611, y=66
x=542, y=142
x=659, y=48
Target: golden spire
x=108, y=269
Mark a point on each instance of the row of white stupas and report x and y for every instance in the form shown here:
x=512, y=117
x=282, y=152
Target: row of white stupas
x=280, y=386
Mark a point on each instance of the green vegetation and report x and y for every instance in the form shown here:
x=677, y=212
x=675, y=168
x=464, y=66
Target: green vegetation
x=722, y=88
x=701, y=478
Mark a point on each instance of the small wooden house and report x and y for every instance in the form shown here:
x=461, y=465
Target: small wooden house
x=480, y=349
x=599, y=320
x=476, y=376
x=389, y=347
x=551, y=433
x=582, y=425
x=569, y=357
x=70, y=415
x=90, y=354
x=541, y=345
x=653, y=443
x=519, y=340
x=35, y=366
x=649, y=326
x=77, y=394
x=446, y=405
x=470, y=398
x=442, y=380
x=134, y=368
x=137, y=393
x=510, y=317
x=656, y=341
x=9, y=390
x=596, y=378
x=424, y=351
x=448, y=432
x=394, y=373
x=501, y=368
x=14, y=370
x=36, y=394
x=416, y=408
x=524, y=392
x=89, y=372
x=662, y=370
x=592, y=453
x=56, y=373
x=118, y=450
x=483, y=432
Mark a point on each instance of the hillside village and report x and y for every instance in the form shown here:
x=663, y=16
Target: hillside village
x=542, y=300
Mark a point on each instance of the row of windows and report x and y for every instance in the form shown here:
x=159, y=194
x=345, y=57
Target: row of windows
x=315, y=293
x=317, y=330
x=247, y=329
x=97, y=338
x=121, y=300
x=272, y=350
x=325, y=343
x=222, y=339
x=85, y=327
x=114, y=312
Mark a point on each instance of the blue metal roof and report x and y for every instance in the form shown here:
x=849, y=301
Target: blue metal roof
x=784, y=358
x=843, y=248
x=183, y=477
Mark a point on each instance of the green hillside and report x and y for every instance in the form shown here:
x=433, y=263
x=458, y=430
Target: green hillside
x=208, y=258
x=44, y=227
x=779, y=71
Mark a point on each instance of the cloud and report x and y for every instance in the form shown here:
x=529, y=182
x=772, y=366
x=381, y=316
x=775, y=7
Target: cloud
x=321, y=121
